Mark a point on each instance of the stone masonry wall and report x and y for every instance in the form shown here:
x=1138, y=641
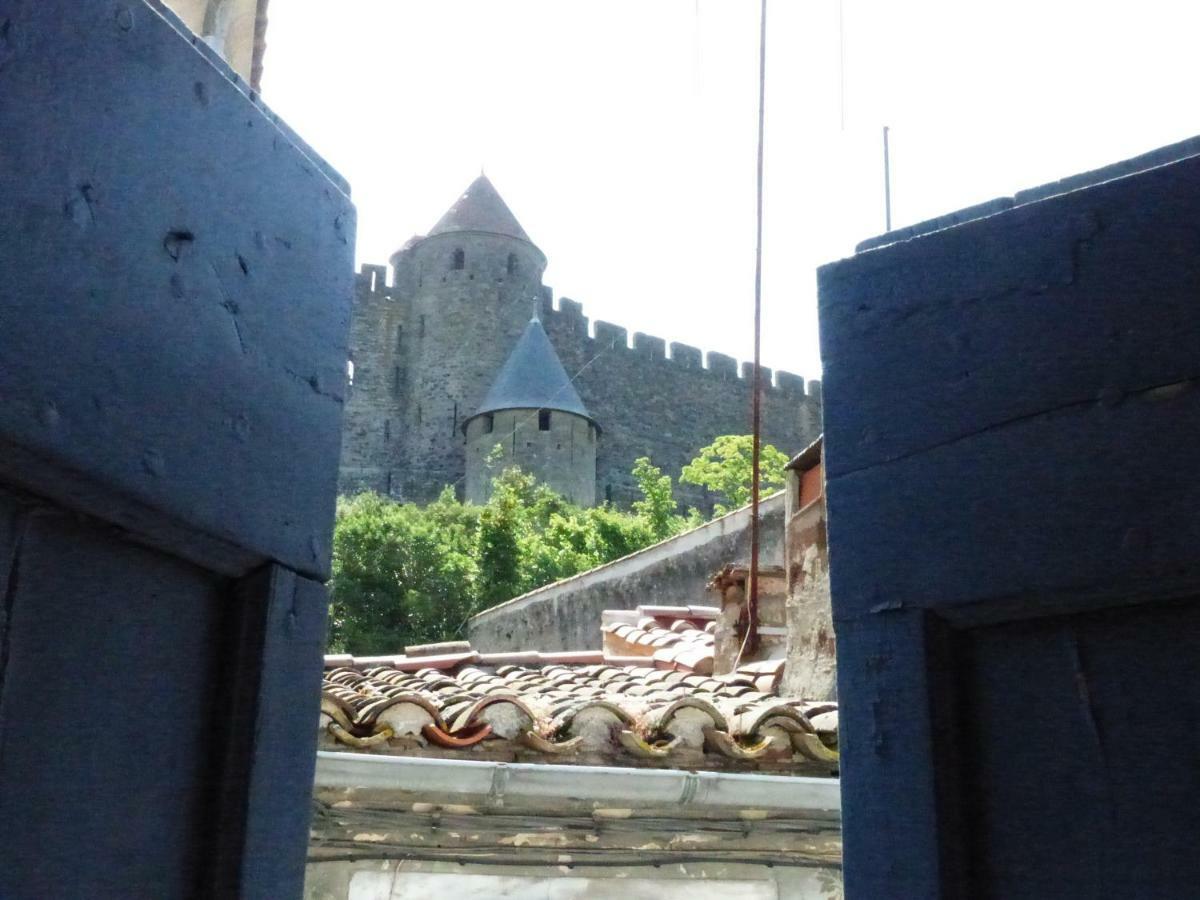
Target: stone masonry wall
x=463, y=325
x=566, y=615
x=372, y=452
x=563, y=457
x=668, y=407
x=424, y=355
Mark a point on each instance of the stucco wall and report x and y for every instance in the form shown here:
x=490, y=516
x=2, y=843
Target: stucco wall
x=811, y=670
x=376, y=879
x=566, y=615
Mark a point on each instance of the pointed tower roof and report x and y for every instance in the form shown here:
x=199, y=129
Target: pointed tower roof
x=480, y=208
x=533, y=377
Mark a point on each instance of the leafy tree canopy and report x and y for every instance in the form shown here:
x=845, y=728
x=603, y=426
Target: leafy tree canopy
x=401, y=574
x=406, y=574
x=725, y=467
x=657, y=506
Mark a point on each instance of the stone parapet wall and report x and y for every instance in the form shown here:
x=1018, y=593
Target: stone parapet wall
x=566, y=615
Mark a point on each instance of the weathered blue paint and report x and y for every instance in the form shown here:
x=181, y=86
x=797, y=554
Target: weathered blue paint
x=1010, y=428
x=175, y=275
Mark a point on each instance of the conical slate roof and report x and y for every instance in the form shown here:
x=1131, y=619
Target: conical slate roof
x=533, y=377
x=480, y=208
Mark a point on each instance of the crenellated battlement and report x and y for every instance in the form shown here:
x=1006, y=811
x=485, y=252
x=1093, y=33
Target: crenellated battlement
x=425, y=349
x=372, y=279
x=686, y=356
x=566, y=317
x=430, y=333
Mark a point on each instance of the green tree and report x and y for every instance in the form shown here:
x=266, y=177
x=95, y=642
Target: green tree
x=406, y=574
x=657, y=506
x=501, y=523
x=401, y=575
x=725, y=468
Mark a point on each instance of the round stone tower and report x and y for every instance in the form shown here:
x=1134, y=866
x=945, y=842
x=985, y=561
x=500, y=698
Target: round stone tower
x=466, y=290
x=533, y=417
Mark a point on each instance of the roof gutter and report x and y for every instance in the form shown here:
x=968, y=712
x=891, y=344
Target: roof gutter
x=604, y=785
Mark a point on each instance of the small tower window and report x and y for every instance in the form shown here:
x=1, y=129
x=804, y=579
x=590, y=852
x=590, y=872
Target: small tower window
x=543, y=420
x=350, y=373
x=489, y=422
x=458, y=260
x=387, y=430
x=399, y=336
x=512, y=264
x=421, y=327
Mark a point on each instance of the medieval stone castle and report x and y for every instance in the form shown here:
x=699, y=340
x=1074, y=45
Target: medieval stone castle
x=465, y=352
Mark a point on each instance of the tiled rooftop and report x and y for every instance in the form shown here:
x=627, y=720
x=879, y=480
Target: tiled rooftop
x=647, y=699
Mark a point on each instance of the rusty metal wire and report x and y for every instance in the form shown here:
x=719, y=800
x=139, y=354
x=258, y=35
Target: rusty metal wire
x=750, y=638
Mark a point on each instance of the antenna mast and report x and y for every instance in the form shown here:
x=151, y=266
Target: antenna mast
x=887, y=182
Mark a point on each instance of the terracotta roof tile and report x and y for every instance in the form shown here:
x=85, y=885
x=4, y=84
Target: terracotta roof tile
x=674, y=636
x=440, y=649
x=614, y=659
x=572, y=711
x=764, y=667
x=669, y=611
x=648, y=698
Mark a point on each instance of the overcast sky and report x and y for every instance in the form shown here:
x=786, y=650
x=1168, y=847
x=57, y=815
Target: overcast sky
x=622, y=132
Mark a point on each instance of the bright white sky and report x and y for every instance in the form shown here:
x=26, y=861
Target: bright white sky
x=622, y=132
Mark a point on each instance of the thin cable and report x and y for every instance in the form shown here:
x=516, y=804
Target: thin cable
x=750, y=639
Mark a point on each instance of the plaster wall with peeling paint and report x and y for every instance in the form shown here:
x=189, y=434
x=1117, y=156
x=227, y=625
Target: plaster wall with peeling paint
x=811, y=645
x=379, y=845
x=396, y=880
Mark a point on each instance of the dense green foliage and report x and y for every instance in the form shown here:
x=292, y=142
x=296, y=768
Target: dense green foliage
x=402, y=574
x=657, y=506
x=725, y=467
x=405, y=574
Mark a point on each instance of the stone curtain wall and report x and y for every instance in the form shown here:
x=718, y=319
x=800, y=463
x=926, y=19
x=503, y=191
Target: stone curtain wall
x=667, y=408
x=414, y=380
x=372, y=450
